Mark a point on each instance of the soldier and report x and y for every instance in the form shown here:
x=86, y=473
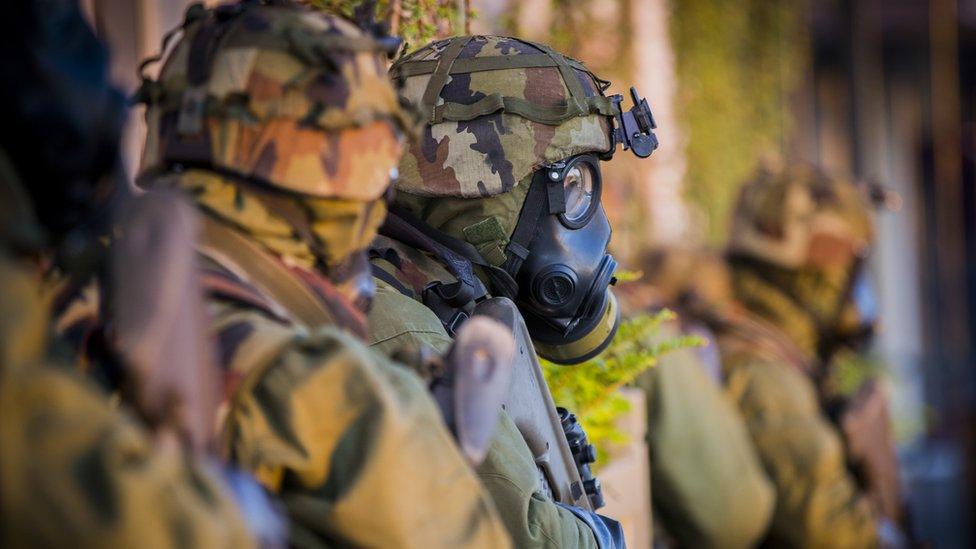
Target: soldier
x=797, y=257
x=74, y=470
x=281, y=124
x=710, y=489
x=501, y=196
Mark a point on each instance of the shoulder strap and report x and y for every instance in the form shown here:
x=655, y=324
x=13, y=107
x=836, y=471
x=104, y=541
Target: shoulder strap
x=220, y=282
x=458, y=256
x=759, y=337
x=265, y=272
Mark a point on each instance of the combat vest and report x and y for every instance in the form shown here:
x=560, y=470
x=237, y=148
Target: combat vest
x=438, y=272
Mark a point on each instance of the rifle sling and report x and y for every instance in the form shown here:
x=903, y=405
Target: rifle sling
x=266, y=272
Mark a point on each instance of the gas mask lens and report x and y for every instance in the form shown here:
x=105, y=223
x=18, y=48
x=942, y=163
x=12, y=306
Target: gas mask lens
x=581, y=191
x=578, y=187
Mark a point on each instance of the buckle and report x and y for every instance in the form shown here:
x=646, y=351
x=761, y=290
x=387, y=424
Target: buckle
x=451, y=326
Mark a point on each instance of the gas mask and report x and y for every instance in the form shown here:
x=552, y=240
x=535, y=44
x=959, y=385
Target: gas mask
x=558, y=258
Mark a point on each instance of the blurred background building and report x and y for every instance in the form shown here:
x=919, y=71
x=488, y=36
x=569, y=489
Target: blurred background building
x=881, y=89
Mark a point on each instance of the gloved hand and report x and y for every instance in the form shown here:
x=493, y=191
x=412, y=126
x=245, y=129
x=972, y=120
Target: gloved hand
x=608, y=532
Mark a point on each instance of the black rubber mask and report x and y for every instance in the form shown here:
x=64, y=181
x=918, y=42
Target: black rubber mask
x=558, y=256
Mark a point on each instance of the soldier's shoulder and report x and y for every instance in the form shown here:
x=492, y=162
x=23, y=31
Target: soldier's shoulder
x=405, y=268
x=397, y=321
x=765, y=386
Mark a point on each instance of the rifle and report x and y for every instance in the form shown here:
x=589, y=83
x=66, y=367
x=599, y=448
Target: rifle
x=529, y=403
x=477, y=373
x=157, y=321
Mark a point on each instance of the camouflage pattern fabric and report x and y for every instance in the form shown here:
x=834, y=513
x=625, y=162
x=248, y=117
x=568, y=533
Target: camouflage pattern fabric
x=767, y=372
x=74, y=470
x=333, y=228
x=799, y=238
x=490, y=150
x=397, y=321
x=295, y=98
x=77, y=472
x=351, y=443
x=348, y=441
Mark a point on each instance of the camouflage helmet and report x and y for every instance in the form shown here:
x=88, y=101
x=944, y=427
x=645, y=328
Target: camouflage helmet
x=279, y=93
x=799, y=218
x=496, y=109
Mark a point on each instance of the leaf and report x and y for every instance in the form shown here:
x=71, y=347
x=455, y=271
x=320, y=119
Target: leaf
x=591, y=390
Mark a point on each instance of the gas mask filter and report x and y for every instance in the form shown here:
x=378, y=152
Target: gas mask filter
x=558, y=257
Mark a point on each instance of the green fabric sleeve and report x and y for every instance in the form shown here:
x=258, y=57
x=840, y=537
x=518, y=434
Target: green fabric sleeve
x=709, y=486
x=397, y=321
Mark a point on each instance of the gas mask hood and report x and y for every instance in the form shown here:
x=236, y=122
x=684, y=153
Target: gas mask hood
x=558, y=258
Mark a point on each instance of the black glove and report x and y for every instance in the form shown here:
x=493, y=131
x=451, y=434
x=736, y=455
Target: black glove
x=608, y=532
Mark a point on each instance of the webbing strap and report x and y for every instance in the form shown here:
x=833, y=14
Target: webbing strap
x=554, y=115
x=264, y=271
x=456, y=250
x=439, y=78
x=576, y=93
x=476, y=64
x=536, y=205
x=577, y=104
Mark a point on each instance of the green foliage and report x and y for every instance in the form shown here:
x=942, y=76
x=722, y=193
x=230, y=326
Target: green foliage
x=591, y=390
x=849, y=371
x=738, y=63
x=416, y=21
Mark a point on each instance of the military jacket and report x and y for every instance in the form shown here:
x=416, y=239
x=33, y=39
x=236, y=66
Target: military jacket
x=74, y=469
x=818, y=503
x=397, y=320
x=710, y=489
x=351, y=443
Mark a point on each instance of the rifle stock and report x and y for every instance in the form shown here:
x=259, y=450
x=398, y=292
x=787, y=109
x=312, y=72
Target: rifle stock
x=155, y=307
x=529, y=403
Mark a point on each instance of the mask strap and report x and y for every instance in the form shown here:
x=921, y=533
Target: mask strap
x=535, y=207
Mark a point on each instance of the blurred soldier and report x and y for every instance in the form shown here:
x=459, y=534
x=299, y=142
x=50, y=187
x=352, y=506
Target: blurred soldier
x=282, y=125
x=710, y=489
x=74, y=470
x=797, y=258
x=500, y=196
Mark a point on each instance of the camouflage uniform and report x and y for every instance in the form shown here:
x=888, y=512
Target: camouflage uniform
x=74, y=470
x=710, y=489
x=487, y=129
x=282, y=125
x=796, y=243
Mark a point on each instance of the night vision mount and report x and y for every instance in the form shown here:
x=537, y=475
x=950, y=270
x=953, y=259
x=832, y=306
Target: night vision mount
x=634, y=127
